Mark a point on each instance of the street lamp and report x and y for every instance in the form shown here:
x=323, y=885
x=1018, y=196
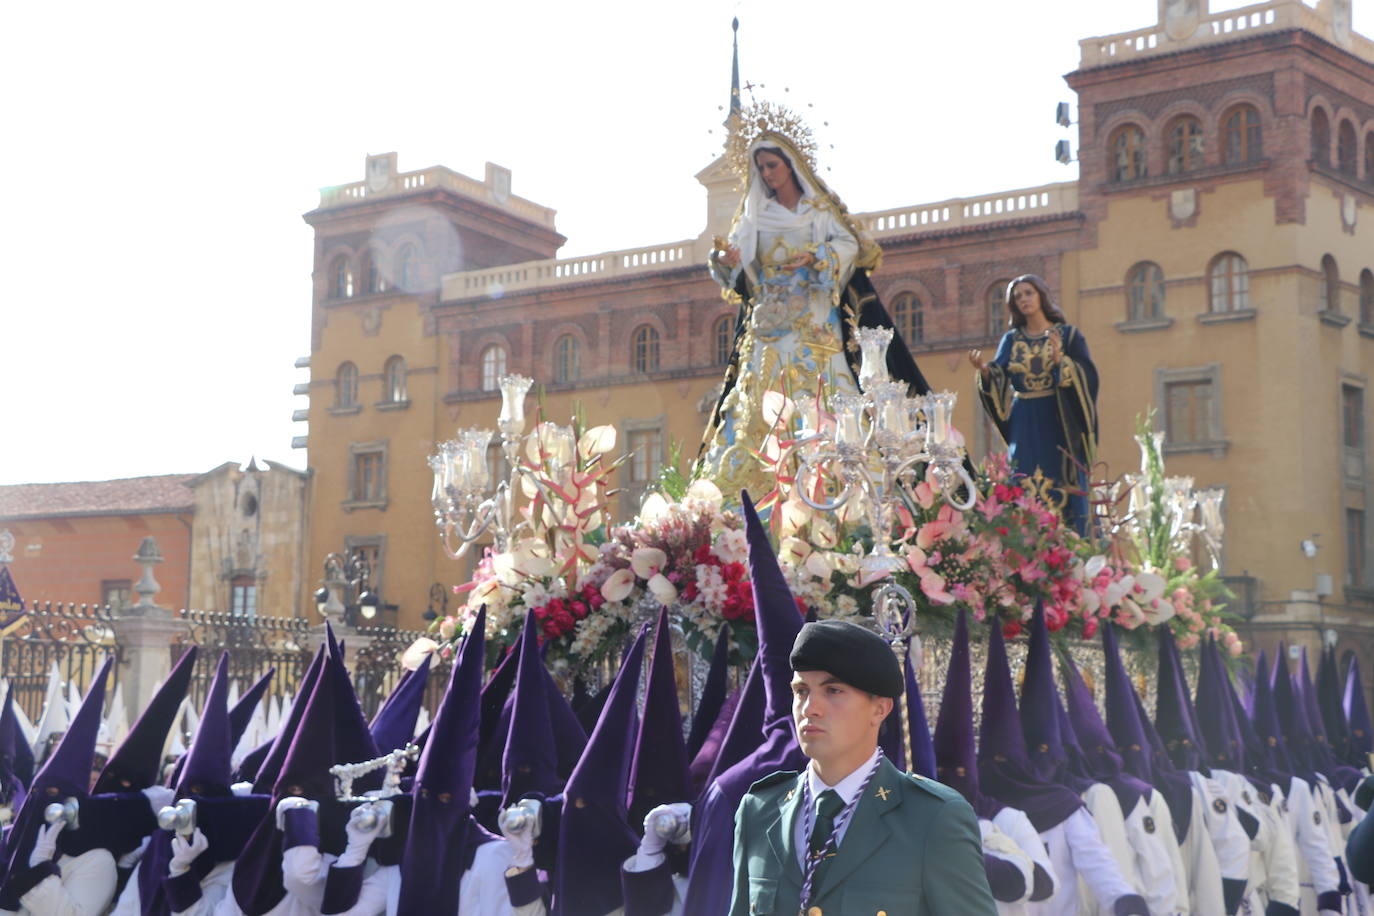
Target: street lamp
x=346, y=575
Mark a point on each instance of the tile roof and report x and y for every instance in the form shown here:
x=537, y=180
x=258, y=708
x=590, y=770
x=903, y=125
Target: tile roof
x=132, y=495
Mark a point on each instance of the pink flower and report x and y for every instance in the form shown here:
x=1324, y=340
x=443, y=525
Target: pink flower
x=1182, y=564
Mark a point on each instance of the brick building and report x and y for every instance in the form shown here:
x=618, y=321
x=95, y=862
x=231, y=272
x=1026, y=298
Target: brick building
x=1215, y=250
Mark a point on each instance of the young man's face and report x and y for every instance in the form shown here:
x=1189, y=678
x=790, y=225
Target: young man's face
x=833, y=719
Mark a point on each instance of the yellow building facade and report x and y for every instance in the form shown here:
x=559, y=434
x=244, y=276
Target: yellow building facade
x=1217, y=250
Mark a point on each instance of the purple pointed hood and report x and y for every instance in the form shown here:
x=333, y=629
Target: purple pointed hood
x=956, y=756
x=737, y=737
x=1357, y=714
x=1329, y=704
x=394, y=725
x=594, y=836
x=658, y=775
x=775, y=611
x=1173, y=711
x=1339, y=775
x=266, y=774
x=1123, y=721
x=1100, y=760
x=137, y=763
x=437, y=841
x=1217, y=733
x=241, y=714
x=1272, y=764
x=206, y=771
x=530, y=762
x=1004, y=769
x=713, y=693
x=1298, y=744
x=65, y=774
x=779, y=622
x=1039, y=719
x=16, y=757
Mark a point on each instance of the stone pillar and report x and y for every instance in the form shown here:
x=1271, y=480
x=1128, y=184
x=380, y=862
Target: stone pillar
x=145, y=631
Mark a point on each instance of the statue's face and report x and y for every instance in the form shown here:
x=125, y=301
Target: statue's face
x=777, y=174
x=1026, y=298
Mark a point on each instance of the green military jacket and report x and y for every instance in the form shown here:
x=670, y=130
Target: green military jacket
x=912, y=849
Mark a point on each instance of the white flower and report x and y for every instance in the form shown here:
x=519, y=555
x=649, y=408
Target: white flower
x=647, y=561
x=414, y=656
x=536, y=595
x=618, y=587
x=596, y=441
x=1157, y=612
x=846, y=605
x=653, y=509
x=820, y=565
x=732, y=546
x=1152, y=585
x=663, y=590
x=705, y=491
x=1094, y=566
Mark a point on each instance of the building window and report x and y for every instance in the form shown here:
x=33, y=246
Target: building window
x=1347, y=153
x=646, y=455
x=723, y=335
x=1355, y=548
x=493, y=367
x=1185, y=145
x=115, y=593
x=408, y=268
x=243, y=596
x=1144, y=292
x=1352, y=416
x=1321, y=137
x=371, y=550
x=909, y=318
x=1367, y=296
x=1188, y=411
x=1128, y=154
x=394, y=377
x=566, y=360
x=1369, y=157
x=996, y=305
x=1230, y=283
x=367, y=473
x=372, y=277
x=346, y=386
x=645, y=351
x=1244, y=138
x=341, y=278
x=1329, y=290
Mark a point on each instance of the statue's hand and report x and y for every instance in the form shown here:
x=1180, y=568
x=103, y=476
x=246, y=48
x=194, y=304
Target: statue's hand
x=1056, y=344
x=975, y=358
x=729, y=257
x=804, y=259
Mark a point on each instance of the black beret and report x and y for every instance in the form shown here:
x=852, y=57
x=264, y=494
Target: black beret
x=857, y=656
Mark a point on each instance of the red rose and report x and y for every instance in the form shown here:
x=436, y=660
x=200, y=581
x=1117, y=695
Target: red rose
x=1012, y=629
x=580, y=609
x=702, y=556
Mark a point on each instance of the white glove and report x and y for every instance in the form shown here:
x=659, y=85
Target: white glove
x=663, y=825
x=132, y=858
x=159, y=797
x=184, y=852
x=520, y=826
x=45, y=847
x=359, y=837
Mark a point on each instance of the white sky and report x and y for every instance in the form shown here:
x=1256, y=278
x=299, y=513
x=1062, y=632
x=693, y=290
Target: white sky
x=159, y=157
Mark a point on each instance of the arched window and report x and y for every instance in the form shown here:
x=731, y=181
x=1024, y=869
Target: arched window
x=1128, y=154
x=341, y=278
x=1244, y=138
x=1230, y=277
x=723, y=336
x=394, y=378
x=1369, y=157
x=1347, y=153
x=408, y=268
x=909, y=318
x=567, y=359
x=493, y=366
x=1185, y=145
x=346, y=386
x=1321, y=137
x=644, y=350
x=1144, y=292
x=995, y=303
x=1329, y=296
x=1367, y=296
x=372, y=277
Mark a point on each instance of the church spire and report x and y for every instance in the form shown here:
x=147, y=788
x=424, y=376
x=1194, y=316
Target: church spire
x=733, y=116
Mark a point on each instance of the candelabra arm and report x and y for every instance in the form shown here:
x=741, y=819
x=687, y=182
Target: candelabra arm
x=808, y=463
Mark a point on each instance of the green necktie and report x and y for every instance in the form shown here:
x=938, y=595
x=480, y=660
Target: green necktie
x=828, y=805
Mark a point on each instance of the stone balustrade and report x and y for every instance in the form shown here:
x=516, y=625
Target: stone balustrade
x=437, y=177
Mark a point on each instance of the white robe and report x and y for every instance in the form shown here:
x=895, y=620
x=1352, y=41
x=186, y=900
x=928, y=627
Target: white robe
x=1013, y=824
x=1076, y=850
x=86, y=887
x=214, y=887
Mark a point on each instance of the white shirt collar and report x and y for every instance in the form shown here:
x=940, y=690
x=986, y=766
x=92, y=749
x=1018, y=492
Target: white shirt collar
x=848, y=787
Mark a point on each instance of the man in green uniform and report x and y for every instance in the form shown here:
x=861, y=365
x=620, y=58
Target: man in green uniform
x=852, y=834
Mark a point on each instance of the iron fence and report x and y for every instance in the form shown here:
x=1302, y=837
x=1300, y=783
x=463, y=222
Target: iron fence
x=376, y=668
x=255, y=644
x=75, y=638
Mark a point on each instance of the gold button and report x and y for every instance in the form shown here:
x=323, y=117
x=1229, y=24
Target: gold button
x=814, y=911
x=882, y=913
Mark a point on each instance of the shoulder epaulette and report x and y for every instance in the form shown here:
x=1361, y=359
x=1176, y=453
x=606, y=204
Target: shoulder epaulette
x=773, y=779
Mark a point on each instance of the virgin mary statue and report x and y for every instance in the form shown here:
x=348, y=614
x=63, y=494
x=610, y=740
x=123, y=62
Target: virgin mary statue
x=798, y=264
